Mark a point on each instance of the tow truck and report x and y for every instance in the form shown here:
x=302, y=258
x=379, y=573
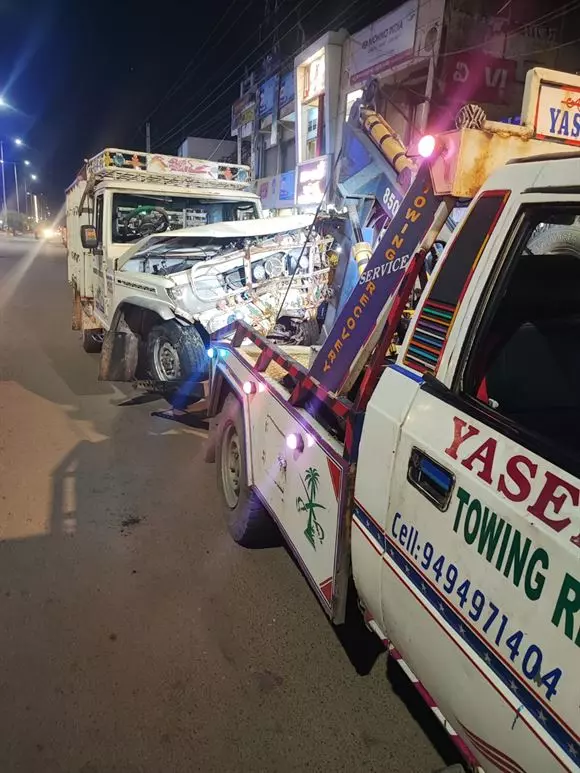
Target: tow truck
x=443, y=483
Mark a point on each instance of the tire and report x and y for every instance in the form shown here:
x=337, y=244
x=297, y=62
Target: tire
x=310, y=330
x=247, y=520
x=92, y=341
x=557, y=239
x=176, y=352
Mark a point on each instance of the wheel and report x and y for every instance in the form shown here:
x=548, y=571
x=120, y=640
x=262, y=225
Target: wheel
x=310, y=331
x=246, y=518
x=92, y=341
x=176, y=352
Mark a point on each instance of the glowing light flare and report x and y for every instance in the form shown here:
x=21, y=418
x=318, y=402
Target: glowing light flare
x=211, y=352
x=249, y=387
x=426, y=146
x=295, y=441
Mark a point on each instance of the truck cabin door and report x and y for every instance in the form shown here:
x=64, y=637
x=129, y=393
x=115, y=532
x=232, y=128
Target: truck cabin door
x=99, y=261
x=487, y=483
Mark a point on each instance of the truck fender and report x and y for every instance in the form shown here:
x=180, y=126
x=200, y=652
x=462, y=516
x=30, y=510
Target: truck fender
x=120, y=352
x=221, y=387
x=164, y=310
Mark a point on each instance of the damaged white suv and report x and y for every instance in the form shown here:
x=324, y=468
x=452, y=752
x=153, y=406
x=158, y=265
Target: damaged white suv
x=172, y=290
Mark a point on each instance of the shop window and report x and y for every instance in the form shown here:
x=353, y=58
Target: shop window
x=524, y=365
x=311, y=123
x=311, y=149
x=288, y=155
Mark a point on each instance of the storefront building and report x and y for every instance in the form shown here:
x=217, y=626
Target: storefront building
x=275, y=143
x=317, y=76
x=400, y=52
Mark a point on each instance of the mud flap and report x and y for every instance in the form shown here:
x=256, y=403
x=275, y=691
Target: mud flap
x=119, y=357
x=77, y=312
x=211, y=442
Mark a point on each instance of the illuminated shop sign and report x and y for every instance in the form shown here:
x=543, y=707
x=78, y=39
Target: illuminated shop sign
x=311, y=181
x=314, y=78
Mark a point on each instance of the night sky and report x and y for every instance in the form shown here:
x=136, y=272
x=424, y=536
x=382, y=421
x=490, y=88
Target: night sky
x=79, y=76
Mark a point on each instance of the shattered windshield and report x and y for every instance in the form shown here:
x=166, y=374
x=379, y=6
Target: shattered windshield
x=137, y=215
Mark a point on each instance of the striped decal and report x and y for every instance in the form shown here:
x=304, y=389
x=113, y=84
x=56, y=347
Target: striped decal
x=460, y=744
x=429, y=336
x=434, y=600
x=498, y=758
x=326, y=589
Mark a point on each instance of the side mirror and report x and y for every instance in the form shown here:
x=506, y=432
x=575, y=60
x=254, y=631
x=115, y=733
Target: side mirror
x=89, y=237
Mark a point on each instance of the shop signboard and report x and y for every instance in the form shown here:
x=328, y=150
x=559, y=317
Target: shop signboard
x=314, y=78
x=267, y=94
x=384, y=43
x=479, y=77
x=277, y=192
x=286, y=189
x=243, y=114
x=311, y=181
x=286, y=95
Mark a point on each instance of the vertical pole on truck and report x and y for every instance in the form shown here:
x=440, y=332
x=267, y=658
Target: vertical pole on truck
x=148, y=136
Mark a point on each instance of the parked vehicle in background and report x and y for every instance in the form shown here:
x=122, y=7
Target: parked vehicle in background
x=48, y=232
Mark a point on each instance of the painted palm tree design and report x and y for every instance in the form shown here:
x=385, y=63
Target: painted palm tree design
x=314, y=530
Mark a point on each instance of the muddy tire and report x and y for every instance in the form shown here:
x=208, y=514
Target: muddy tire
x=176, y=353
x=310, y=330
x=246, y=518
x=92, y=341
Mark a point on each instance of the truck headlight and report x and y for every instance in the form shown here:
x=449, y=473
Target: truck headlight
x=176, y=293
x=259, y=272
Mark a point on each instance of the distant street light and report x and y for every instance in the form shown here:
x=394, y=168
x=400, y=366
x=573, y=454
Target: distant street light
x=18, y=141
x=26, y=163
x=3, y=102
x=34, y=177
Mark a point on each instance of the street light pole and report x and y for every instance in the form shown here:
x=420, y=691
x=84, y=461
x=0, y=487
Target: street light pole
x=3, y=184
x=16, y=185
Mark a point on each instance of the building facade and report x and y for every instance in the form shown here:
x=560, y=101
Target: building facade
x=427, y=58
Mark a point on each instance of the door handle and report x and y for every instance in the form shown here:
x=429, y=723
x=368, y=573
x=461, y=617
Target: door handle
x=430, y=478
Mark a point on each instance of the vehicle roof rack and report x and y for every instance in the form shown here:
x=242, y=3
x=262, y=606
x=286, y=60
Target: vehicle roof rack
x=159, y=169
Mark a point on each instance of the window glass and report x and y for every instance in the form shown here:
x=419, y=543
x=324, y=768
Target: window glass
x=136, y=215
x=99, y=218
x=525, y=361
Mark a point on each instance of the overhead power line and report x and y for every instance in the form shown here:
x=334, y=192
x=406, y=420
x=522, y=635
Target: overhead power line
x=186, y=75
x=233, y=74
x=181, y=80
x=221, y=87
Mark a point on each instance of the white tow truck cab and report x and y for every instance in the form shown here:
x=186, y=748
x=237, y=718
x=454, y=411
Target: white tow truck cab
x=446, y=482
x=121, y=196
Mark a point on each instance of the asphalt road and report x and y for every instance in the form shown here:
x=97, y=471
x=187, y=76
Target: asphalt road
x=135, y=635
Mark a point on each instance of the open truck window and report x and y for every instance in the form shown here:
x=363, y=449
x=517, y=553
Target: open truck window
x=525, y=361
x=136, y=215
